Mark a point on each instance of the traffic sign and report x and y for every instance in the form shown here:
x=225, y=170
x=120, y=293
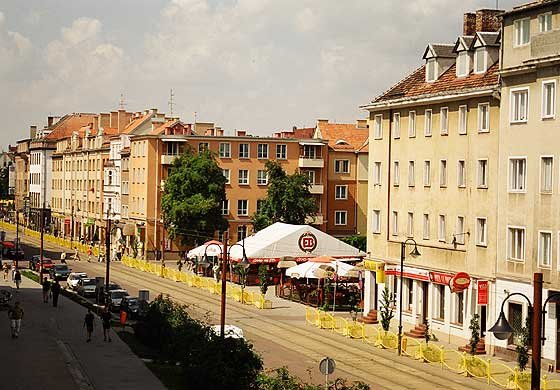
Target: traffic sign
x=327, y=366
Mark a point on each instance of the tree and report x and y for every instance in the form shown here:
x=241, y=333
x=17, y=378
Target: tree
x=387, y=313
x=475, y=332
x=194, y=192
x=263, y=278
x=356, y=241
x=522, y=348
x=4, y=183
x=288, y=198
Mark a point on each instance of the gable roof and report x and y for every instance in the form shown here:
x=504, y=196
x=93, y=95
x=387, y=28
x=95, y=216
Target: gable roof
x=342, y=136
x=136, y=122
x=67, y=124
x=465, y=41
x=439, y=50
x=487, y=39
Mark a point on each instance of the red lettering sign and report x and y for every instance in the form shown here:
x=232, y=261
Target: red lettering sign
x=482, y=292
x=307, y=242
x=460, y=282
x=440, y=278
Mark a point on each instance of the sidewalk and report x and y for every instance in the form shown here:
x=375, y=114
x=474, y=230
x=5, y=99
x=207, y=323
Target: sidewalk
x=52, y=353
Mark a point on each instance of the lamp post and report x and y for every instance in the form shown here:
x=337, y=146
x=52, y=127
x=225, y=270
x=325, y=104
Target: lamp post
x=502, y=330
x=225, y=252
x=413, y=253
x=107, y=253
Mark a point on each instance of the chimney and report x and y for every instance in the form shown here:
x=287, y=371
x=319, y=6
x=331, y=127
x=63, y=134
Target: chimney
x=219, y=132
x=113, y=119
x=32, y=131
x=488, y=20
x=277, y=135
x=209, y=132
x=294, y=128
x=154, y=110
x=361, y=123
x=123, y=120
x=322, y=121
x=96, y=122
x=241, y=133
x=469, y=24
x=104, y=119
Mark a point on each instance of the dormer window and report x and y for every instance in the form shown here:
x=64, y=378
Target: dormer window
x=431, y=70
x=463, y=64
x=545, y=22
x=480, y=60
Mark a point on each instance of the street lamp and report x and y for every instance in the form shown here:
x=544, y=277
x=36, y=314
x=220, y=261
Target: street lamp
x=413, y=253
x=225, y=252
x=502, y=330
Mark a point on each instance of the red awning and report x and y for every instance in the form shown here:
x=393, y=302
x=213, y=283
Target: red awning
x=8, y=244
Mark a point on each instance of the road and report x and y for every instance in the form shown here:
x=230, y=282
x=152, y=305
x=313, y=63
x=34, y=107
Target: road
x=281, y=336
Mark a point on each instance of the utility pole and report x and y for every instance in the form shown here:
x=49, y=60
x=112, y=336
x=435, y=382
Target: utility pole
x=42, y=237
x=72, y=226
x=107, y=254
x=225, y=260
x=17, y=239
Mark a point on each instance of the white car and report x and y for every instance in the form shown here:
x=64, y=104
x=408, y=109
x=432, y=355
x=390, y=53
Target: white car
x=74, y=278
x=229, y=331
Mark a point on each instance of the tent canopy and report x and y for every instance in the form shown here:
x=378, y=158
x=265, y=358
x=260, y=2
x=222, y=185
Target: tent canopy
x=321, y=270
x=214, y=249
x=279, y=240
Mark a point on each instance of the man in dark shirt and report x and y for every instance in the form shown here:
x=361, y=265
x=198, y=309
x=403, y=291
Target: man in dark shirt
x=46, y=287
x=88, y=324
x=106, y=318
x=55, y=289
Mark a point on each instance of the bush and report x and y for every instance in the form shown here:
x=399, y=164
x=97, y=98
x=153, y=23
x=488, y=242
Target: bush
x=281, y=379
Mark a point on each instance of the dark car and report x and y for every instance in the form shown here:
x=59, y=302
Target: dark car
x=9, y=251
x=59, y=272
x=34, y=263
x=130, y=305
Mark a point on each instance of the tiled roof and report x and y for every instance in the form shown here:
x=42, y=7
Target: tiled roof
x=441, y=50
x=490, y=38
x=65, y=126
x=135, y=122
x=415, y=85
x=529, y=6
x=467, y=39
x=343, y=136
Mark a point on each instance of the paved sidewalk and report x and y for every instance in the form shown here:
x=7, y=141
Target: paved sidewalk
x=52, y=353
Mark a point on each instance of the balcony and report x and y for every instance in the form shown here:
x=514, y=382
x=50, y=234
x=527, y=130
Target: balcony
x=315, y=220
x=307, y=162
x=167, y=159
x=316, y=189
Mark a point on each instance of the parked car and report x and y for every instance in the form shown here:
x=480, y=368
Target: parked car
x=86, y=287
x=59, y=272
x=48, y=264
x=112, y=286
x=130, y=305
x=12, y=254
x=33, y=261
x=115, y=298
x=74, y=278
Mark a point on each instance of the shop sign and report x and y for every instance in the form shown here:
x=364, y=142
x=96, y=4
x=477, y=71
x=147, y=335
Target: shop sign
x=460, y=282
x=410, y=273
x=482, y=292
x=440, y=278
x=307, y=242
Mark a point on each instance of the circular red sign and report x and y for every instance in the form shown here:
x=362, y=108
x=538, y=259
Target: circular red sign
x=307, y=242
x=460, y=282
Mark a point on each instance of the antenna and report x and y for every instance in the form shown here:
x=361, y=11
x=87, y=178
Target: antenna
x=171, y=104
x=497, y=4
x=121, y=102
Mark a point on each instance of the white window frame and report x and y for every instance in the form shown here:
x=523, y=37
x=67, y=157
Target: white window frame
x=477, y=62
x=541, y=174
x=377, y=173
x=444, y=120
x=246, y=181
x=226, y=148
x=396, y=173
x=518, y=32
x=281, y=151
x=512, y=109
x=462, y=55
x=344, y=192
x=411, y=173
x=395, y=223
x=378, y=126
x=426, y=227
x=508, y=247
x=427, y=173
x=341, y=167
x=431, y=76
x=461, y=173
x=540, y=250
x=337, y=215
x=239, y=209
x=225, y=210
x=428, y=123
x=524, y=185
x=442, y=228
x=376, y=221
x=463, y=114
x=484, y=118
x=547, y=19
x=396, y=125
x=484, y=240
x=228, y=176
x=443, y=173
x=460, y=230
x=411, y=124
x=262, y=151
x=248, y=151
x=262, y=181
x=482, y=176
x=410, y=225
x=544, y=100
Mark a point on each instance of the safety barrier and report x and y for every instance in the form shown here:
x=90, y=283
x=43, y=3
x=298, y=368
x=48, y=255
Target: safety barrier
x=459, y=362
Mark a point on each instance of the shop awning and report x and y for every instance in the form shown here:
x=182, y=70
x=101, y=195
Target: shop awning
x=8, y=244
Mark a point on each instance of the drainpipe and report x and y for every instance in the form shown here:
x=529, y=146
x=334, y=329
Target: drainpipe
x=389, y=174
x=158, y=164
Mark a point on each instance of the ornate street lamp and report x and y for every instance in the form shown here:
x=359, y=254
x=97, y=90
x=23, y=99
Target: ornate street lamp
x=413, y=253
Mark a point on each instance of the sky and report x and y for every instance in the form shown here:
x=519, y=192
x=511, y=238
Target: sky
x=256, y=65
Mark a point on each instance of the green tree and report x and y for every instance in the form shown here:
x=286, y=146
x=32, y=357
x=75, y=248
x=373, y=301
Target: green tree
x=4, y=183
x=475, y=332
x=288, y=198
x=359, y=242
x=194, y=192
x=263, y=278
x=523, y=348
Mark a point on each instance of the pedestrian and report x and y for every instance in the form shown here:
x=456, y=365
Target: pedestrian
x=63, y=257
x=106, y=318
x=76, y=254
x=88, y=324
x=46, y=288
x=89, y=253
x=6, y=271
x=16, y=315
x=55, y=289
x=17, y=278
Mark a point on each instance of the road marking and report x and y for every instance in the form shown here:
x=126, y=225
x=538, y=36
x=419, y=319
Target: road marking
x=73, y=365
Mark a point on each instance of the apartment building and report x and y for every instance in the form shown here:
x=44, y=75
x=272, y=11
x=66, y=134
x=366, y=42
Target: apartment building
x=22, y=173
x=433, y=142
x=528, y=223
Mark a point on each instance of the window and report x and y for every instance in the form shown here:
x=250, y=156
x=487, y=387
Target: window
x=396, y=173
x=428, y=123
x=341, y=192
x=462, y=64
x=545, y=22
x=483, y=117
x=243, y=150
x=310, y=152
x=461, y=173
x=426, y=227
x=395, y=223
x=225, y=207
x=460, y=231
x=411, y=173
x=545, y=249
x=243, y=176
x=546, y=174
x=410, y=225
x=444, y=120
x=342, y=166
x=241, y=232
x=408, y=294
x=516, y=244
x=458, y=307
x=412, y=124
x=378, y=127
x=281, y=151
x=548, y=99
x=439, y=302
x=482, y=180
x=441, y=231
x=376, y=222
x=431, y=69
x=242, y=207
x=427, y=173
x=522, y=32
x=517, y=174
x=396, y=125
x=462, y=119
x=262, y=151
x=311, y=175
x=172, y=148
x=519, y=103
x=225, y=150
x=262, y=177
x=480, y=60
x=260, y=205
x=481, y=232
x=340, y=217
x=226, y=174
x=443, y=173
x=202, y=146
x=377, y=173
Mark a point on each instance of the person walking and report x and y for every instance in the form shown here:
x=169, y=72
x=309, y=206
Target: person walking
x=106, y=319
x=6, y=271
x=76, y=254
x=89, y=253
x=88, y=324
x=16, y=315
x=55, y=289
x=46, y=289
x=63, y=257
x=17, y=278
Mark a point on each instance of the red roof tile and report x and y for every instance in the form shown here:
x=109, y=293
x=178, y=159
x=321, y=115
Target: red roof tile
x=64, y=127
x=343, y=136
